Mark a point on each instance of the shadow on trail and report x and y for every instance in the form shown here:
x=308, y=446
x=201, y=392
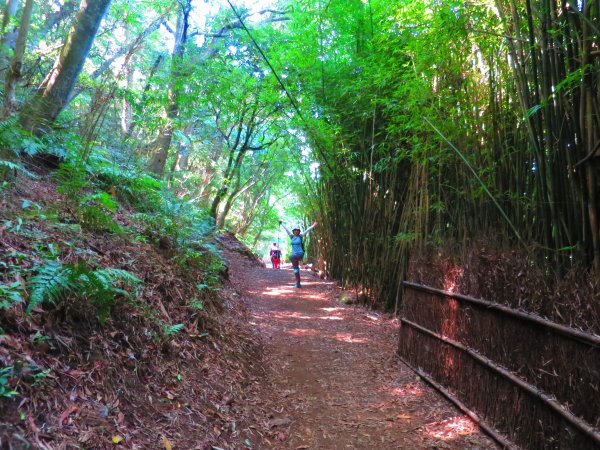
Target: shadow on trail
x=336, y=381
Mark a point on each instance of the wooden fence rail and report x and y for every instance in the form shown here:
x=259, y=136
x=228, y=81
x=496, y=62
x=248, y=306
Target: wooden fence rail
x=535, y=381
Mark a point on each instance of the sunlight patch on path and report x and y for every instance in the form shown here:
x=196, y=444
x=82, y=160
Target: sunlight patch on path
x=276, y=292
x=407, y=390
x=452, y=428
x=303, y=332
x=293, y=315
x=347, y=337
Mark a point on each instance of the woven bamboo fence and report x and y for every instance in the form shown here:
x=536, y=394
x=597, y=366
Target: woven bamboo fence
x=534, y=381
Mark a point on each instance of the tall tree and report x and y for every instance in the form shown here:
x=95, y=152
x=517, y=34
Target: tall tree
x=54, y=92
x=8, y=32
x=13, y=74
x=162, y=144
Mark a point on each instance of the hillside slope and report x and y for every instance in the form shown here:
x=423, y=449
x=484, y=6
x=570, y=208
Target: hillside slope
x=168, y=362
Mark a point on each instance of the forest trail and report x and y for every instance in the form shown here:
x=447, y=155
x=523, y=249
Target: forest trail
x=333, y=375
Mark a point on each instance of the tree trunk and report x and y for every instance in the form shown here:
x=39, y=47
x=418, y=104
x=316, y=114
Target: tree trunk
x=9, y=35
x=14, y=71
x=53, y=94
x=159, y=159
x=161, y=145
x=153, y=70
x=232, y=196
x=126, y=113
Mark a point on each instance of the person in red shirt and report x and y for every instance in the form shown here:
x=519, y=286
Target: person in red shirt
x=275, y=256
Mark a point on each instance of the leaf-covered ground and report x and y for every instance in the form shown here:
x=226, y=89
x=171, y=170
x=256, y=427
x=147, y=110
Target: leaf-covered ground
x=260, y=366
x=161, y=372
x=336, y=383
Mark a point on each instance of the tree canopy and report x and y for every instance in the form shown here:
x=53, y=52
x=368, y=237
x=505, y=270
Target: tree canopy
x=400, y=126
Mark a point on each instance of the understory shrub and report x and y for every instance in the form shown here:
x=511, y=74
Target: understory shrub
x=55, y=282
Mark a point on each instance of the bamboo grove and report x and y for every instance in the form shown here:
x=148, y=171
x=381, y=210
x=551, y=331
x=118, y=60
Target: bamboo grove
x=452, y=122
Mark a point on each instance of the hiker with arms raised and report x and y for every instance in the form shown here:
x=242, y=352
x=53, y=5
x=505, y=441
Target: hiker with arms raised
x=297, y=253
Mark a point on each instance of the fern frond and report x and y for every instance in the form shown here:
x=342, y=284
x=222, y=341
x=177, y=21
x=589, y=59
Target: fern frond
x=10, y=294
x=101, y=288
x=16, y=166
x=9, y=124
x=111, y=275
x=32, y=146
x=171, y=330
x=50, y=284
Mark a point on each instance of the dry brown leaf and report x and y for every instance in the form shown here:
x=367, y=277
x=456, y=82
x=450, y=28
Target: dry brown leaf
x=66, y=413
x=283, y=421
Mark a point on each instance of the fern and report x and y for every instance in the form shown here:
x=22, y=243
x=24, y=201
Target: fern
x=170, y=330
x=118, y=275
x=54, y=280
x=10, y=294
x=50, y=284
x=32, y=146
x=73, y=179
x=16, y=167
x=100, y=286
x=95, y=212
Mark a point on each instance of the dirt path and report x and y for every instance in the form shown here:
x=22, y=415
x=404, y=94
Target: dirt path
x=336, y=383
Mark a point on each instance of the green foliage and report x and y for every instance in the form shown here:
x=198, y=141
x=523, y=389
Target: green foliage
x=55, y=282
x=406, y=237
x=40, y=376
x=39, y=338
x=10, y=294
x=156, y=225
x=16, y=167
x=171, y=330
x=73, y=179
x=132, y=186
x=101, y=286
x=93, y=210
x=12, y=138
x=197, y=304
x=6, y=390
x=50, y=284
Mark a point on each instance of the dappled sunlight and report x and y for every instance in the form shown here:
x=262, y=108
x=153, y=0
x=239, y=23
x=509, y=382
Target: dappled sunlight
x=349, y=338
x=330, y=318
x=449, y=326
x=453, y=277
x=373, y=318
x=408, y=390
x=286, y=315
x=336, y=370
x=291, y=292
x=289, y=315
x=277, y=291
x=303, y=332
x=452, y=428
x=304, y=295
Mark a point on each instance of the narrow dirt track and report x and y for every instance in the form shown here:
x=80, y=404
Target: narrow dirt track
x=333, y=377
